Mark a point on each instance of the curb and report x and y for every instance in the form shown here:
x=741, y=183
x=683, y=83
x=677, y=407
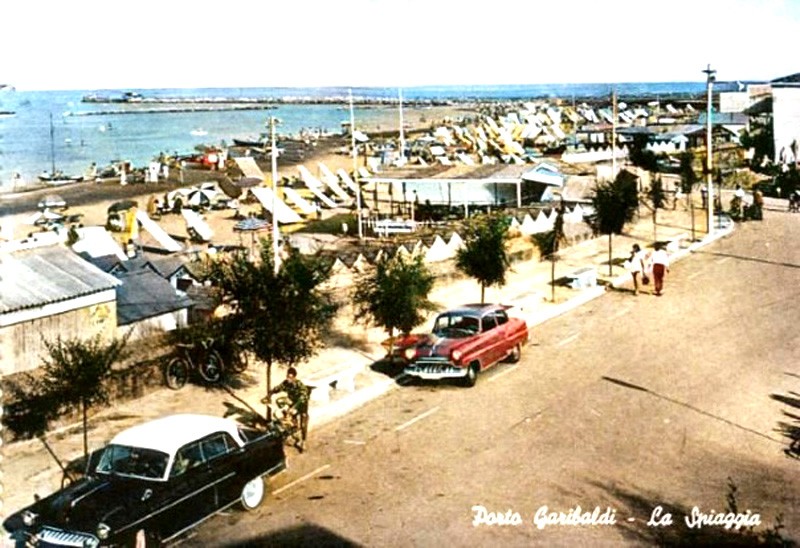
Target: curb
x=360, y=397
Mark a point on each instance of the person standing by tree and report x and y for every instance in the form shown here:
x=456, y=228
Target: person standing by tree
x=660, y=263
x=298, y=394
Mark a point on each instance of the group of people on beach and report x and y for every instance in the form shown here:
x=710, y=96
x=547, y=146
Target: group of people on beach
x=642, y=265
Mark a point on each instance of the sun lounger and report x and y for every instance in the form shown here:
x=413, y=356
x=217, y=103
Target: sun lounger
x=333, y=183
x=284, y=213
x=196, y=226
x=315, y=186
x=305, y=207
x=347, y=180
x=158, y=233
x=249, y=167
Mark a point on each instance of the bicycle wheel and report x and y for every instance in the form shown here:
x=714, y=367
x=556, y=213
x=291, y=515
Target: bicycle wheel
x=211, y=367
x=176, y=373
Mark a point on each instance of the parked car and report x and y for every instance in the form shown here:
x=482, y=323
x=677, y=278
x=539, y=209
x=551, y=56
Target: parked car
x=463, y=342
x=153, y=482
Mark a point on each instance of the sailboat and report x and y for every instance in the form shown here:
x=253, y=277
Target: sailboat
x=54, y=176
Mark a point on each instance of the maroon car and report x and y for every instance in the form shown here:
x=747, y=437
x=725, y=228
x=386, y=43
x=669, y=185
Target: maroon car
x=464, y=341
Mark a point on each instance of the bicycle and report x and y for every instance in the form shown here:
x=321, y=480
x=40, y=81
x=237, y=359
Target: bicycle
x=289, y=423
x=200, y=357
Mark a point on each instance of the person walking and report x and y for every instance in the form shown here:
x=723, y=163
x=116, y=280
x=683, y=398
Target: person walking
x=635, y=265
x=660, y=265
x=298, y=395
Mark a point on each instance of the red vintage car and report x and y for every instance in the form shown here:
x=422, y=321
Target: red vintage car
x=464, y=341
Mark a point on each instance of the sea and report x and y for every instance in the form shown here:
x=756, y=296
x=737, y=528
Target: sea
x=42, y=130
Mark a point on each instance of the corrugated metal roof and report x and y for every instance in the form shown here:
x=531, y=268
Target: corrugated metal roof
x=144, y=294
x=40, y=276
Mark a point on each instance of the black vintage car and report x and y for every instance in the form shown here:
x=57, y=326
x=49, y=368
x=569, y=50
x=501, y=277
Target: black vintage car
x=153, y=482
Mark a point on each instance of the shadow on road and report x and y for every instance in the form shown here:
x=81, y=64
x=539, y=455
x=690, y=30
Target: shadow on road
x=790, y=429
x=301, y=535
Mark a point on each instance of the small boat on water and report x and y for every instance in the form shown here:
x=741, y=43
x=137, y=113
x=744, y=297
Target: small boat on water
x=56, y=176
x=200, y=132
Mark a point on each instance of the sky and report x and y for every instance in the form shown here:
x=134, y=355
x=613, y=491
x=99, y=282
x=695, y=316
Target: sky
x=102, y=44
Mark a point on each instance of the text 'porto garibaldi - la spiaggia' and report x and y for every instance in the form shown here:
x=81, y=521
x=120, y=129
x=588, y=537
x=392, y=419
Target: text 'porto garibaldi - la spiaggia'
x=544, y=517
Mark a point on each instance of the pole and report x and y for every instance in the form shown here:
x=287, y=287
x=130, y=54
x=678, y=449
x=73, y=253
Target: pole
x=402, y=131
x=355, y=167
x=709, y=156
x=276, y=254
x=614, y=133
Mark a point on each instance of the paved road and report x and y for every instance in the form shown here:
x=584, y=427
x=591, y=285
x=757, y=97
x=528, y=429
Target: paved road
x=627, y=404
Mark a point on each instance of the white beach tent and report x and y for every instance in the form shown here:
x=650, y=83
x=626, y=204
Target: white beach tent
x=159, y=234
x=284, y=213
x=305, y=207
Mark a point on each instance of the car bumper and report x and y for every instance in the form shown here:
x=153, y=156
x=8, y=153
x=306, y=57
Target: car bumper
x=433, y=372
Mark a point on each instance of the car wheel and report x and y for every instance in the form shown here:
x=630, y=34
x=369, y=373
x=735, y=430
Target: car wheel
x=176, y=373
x=514, y=355
x=472, y=374
x=253, y=494
x=211, y=367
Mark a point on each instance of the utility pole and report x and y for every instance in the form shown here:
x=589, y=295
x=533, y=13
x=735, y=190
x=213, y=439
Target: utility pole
x=276, y=250
x=355, y=167
x=614, y=133
x=402, y=160
x=710, y=78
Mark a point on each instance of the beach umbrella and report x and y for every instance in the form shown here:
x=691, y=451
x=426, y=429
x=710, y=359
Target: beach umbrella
x=252, y=225
x=52, y=200
x=201, y=197
x=122, y=205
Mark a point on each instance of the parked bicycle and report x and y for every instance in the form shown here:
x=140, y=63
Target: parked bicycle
x=200, y=357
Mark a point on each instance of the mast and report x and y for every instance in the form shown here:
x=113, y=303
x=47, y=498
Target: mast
x=355, y=166
x=402, y=131
x=52, y=148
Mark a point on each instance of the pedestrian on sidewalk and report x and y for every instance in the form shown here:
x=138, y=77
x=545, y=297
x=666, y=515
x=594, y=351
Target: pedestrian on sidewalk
x=298, y=396
x=635, y=265
x=660, y=266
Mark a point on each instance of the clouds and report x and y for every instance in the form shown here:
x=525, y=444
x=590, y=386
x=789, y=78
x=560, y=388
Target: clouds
x=86, y=44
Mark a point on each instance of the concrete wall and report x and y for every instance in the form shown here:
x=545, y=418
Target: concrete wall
x=786, y=122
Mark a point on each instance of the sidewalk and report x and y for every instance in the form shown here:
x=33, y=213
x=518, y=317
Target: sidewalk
x=343, y=374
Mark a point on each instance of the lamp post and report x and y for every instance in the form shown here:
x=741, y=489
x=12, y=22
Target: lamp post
x=355, y=166
x=276, y=254
x=709, y=176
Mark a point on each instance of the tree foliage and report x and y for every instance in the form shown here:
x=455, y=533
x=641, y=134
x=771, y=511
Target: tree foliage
x=281, y=317
x=394, y=295
x=640, y=156
x=614, y=205
x=76, y=372
x=484, y=255
x=688, y=175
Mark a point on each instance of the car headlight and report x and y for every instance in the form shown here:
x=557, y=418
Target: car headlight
x=29, y=518
x=456, y=355
x=409, y=353
x=103, y=530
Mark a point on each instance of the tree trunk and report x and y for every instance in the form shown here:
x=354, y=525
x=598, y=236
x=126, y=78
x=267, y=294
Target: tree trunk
x=391, y=345
x=85, y=429
x=483, y=292
x=655, y=234
x=609, y=254
x=553, y=278
x=269, y=387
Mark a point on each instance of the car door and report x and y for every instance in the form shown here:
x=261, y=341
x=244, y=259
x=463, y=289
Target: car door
x=491, y=342
x=223, y=457
x=190, y=491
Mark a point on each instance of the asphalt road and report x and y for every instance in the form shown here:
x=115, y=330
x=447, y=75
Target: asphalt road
x=627, y=405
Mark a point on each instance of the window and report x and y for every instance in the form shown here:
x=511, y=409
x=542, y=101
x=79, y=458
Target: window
x=216, y=445
x=489, y=322
x=187, y=458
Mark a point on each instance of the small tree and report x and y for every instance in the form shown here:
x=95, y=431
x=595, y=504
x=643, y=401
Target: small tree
x=393, y=295
x=657, y=201
x=614, y=206
x=281, y=317
x=484, y=255
x=549, y=243
x=76, y=372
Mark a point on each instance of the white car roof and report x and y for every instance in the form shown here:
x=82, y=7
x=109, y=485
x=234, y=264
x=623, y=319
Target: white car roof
x=170, y=433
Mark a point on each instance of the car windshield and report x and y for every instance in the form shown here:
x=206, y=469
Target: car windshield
x=456, y=325
x=133, y=461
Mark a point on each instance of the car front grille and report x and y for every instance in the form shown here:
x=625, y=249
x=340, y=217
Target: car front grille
x=49, y=536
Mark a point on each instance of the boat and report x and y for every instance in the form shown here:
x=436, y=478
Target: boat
x=198, y=132
x=56, y=176
x=251, y=141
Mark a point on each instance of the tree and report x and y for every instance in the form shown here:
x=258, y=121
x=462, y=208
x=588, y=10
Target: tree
x=281, y=317
x=484, y=255
x=688, y=175
x=393, y=295
x=657, y=201
x=640, y=156
x=75, y=372
x=614, y=206
x=549, y=243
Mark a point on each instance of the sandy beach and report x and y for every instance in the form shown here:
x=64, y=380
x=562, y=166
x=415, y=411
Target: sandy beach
x=89, y=201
